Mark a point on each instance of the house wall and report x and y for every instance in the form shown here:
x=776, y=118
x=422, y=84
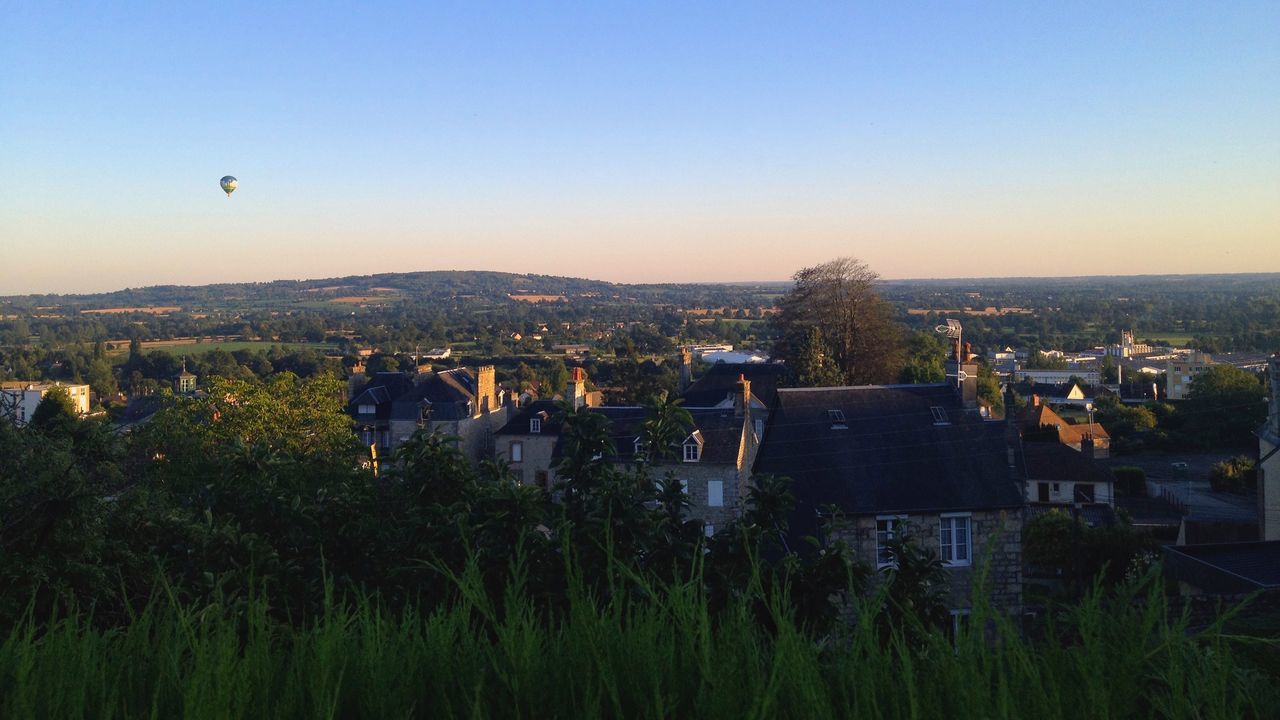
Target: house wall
x=1103, y=493
x=996, y=546
x=21, y=402
x=477, y=439
x=1269, y=468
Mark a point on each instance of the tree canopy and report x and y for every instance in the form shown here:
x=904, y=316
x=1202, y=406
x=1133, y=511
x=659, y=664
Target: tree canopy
x=839, y=299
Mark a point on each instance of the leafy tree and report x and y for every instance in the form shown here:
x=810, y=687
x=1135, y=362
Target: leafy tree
x=839, y=298
x=667, y=424
x=1236, y=475
x=1223, y=408
x=925, y=354
x=55, y=413
x=813, y=364
x=989, y=388
x=102, y=379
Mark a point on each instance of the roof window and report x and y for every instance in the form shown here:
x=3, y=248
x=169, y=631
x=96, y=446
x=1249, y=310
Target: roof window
x=939, y=415
x=837, y=420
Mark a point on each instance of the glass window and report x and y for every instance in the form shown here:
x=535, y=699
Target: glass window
x=692, y=452
x=517, y=452
x=954, y=539
x=535, y=426
x=887, y=528
x=715, y=493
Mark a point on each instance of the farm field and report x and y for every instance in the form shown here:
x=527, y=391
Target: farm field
x=180, y=347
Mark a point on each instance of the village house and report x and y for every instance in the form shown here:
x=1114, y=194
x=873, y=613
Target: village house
x=392, y=406
x=1039, y=422
x=869, y=463
x=713, y=460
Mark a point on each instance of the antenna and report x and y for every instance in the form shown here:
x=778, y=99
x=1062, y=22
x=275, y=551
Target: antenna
x=954, y=330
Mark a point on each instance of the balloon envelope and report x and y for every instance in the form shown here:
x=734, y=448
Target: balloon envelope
x=228, y=184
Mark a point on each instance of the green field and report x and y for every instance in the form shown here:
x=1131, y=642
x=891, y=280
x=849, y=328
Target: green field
x=230, y=346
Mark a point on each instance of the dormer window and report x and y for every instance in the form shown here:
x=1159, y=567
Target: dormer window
x=939, y=415
x=535, y=426
x=837, y=420
x=367, y=409
x=693, y=447
x=639, y=447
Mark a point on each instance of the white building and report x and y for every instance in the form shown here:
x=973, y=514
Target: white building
x=1058, y=377
x=19, y=399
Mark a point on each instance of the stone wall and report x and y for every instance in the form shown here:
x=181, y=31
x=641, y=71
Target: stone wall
x=996, y=548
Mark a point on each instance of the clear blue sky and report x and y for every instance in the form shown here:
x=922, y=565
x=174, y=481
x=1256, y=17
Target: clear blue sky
x=637, y=142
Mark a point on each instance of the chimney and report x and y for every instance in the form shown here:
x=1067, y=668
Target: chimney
x=1087, y=447
x=686, y=368
x=486, y=391
x=576, y=393
x=741, y=396
x=963, y=375
x=1035, y=401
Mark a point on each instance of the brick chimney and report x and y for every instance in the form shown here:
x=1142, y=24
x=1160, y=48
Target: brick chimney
x=741, y=396
x=686, y=368
x=962, y=374
x=576, y=393
x=486, y=390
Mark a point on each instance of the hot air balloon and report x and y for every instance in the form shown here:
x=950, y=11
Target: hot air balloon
x=228, y=185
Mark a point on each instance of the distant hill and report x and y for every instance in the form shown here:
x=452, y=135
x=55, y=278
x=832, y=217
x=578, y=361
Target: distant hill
x=390, y=288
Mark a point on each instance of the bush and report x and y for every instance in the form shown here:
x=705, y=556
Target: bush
x=1130, y=481
x=1238, y=475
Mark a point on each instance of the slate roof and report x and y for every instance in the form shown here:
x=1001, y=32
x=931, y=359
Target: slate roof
x=891, y=454
x=718, y=382
x=1041, y=416
x=721, y=431
x=380, y=391
x=1055, y=462
x=450, y=395
x=1226, y=567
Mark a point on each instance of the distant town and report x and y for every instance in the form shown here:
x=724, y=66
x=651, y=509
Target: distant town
x=966, y=447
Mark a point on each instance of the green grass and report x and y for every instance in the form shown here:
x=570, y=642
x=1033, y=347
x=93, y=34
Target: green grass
x=663, y=658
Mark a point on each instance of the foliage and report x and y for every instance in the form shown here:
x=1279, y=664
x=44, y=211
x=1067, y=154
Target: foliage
x=55, y=413
x=925, y=353
x=839, y=298
x=1058, y=544
x=813, y=364
x=1130, y=481
x=1126, y=424
x=658, y=655
x=1224, y=407
x=1236, y=475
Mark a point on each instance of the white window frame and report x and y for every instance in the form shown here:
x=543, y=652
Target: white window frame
x=516, y=452
x=366, y=409
x=692, y=452
x=535, y=426
x=715, y=493
x=949, y=546
x=895, y=523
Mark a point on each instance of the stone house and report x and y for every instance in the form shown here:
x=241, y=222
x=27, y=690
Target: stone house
x=392, y=406
x=868, y=463
x=713, y=461
x=1091, y=439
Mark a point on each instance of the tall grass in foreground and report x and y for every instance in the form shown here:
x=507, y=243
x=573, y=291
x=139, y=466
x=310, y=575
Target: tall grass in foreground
x=663, y=657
